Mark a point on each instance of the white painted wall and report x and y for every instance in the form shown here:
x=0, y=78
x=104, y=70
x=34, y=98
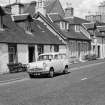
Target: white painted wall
x=36, y=52
x=22, y=51
x=101, y=42
x=62, y=48
x=3, y=58
x=102, y=46
x=47, y=48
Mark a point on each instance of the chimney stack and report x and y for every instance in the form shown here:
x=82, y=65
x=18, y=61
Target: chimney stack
x=69, y=11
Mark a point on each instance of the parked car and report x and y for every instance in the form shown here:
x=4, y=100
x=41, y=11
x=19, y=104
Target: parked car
x=49, y=63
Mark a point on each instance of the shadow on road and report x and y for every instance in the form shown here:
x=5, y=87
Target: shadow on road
x=44, y=76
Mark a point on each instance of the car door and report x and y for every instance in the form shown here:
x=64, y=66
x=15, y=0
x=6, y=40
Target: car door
x=56, y=63
x=63, y=57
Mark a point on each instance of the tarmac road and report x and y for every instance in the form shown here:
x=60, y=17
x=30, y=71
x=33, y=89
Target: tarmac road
x=83, y=86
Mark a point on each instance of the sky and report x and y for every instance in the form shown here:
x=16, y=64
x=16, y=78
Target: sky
x=81, y=7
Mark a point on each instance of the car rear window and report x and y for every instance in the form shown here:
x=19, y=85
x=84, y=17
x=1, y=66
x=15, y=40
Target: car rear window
x=45, y=57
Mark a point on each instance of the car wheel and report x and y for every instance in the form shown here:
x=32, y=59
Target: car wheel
x=65, y=70
x=51, y=73
x=31, y=76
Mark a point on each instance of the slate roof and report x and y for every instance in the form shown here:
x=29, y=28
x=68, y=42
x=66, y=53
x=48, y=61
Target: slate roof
x=75, y=35
x=90, y=26
x=55, y=17
x=14, y=34
x=9, y=5
x=64, y=34
x=22, y=17
x=49, y=22
x=76, y=20
x=54, y=6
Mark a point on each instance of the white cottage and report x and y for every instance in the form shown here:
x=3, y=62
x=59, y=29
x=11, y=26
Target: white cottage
x=23, y=40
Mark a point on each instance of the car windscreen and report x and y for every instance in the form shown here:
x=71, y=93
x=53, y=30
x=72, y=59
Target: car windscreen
x=45, y=57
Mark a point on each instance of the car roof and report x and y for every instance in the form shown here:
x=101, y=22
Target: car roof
x=52, y=53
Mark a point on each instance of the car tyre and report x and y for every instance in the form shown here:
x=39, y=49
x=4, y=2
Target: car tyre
x=65, y=70
x=31, y=76
x=51, y=73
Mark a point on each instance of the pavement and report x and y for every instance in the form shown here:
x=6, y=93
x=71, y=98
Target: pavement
x=8, y=77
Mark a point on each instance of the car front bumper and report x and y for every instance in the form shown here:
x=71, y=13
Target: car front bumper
x=36, y=71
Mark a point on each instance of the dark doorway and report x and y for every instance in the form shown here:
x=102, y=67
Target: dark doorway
x=98, y=51
x=31, y=53
x=79, y=49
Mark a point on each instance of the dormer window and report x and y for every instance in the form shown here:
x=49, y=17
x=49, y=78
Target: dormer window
x=77, y=28
x=1, y=25
x=28, y=28
x=62, y=25
x=67, y=26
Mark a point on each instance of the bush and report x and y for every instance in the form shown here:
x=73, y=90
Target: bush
x=16, y=67
x=73, y=59
x=90, y=57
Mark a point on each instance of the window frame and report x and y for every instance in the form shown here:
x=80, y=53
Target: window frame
x=12, y=53
x=56, y=48
x=40, y=49
x=1, y=23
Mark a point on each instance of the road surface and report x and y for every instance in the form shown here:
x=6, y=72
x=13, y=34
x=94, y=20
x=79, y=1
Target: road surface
x=83, y=86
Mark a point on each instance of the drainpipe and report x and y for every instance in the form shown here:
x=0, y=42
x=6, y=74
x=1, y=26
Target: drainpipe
x=102, y=44
x=102, y=48
x=95, y=42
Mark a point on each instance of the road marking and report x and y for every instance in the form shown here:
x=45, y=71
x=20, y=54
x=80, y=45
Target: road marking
x=14, y=81
x=84, y=78
x=86, y=66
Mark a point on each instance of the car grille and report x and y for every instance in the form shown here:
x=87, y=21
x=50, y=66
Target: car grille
x=36, y=69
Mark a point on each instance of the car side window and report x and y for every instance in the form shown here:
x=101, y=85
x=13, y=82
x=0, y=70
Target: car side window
x=50, y=56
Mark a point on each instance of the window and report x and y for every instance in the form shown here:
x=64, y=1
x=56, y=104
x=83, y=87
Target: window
x=67, y=26
x=56, y=48
x=1, y=24
x=40, y=49
x=77, y=28
x=28, y=28
x=12, y=53
x=62, y=25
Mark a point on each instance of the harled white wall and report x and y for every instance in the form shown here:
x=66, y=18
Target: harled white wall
x=62, y=48
x=22, y=52
x=3, y=58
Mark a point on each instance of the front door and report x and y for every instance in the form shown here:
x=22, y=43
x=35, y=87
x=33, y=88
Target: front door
x=98, y=51
x=31, y=53
x=56, y=63
x=79, y=49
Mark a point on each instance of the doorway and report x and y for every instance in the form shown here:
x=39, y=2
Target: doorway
x=98, y=51
x=79, y=50
x=31, y=50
